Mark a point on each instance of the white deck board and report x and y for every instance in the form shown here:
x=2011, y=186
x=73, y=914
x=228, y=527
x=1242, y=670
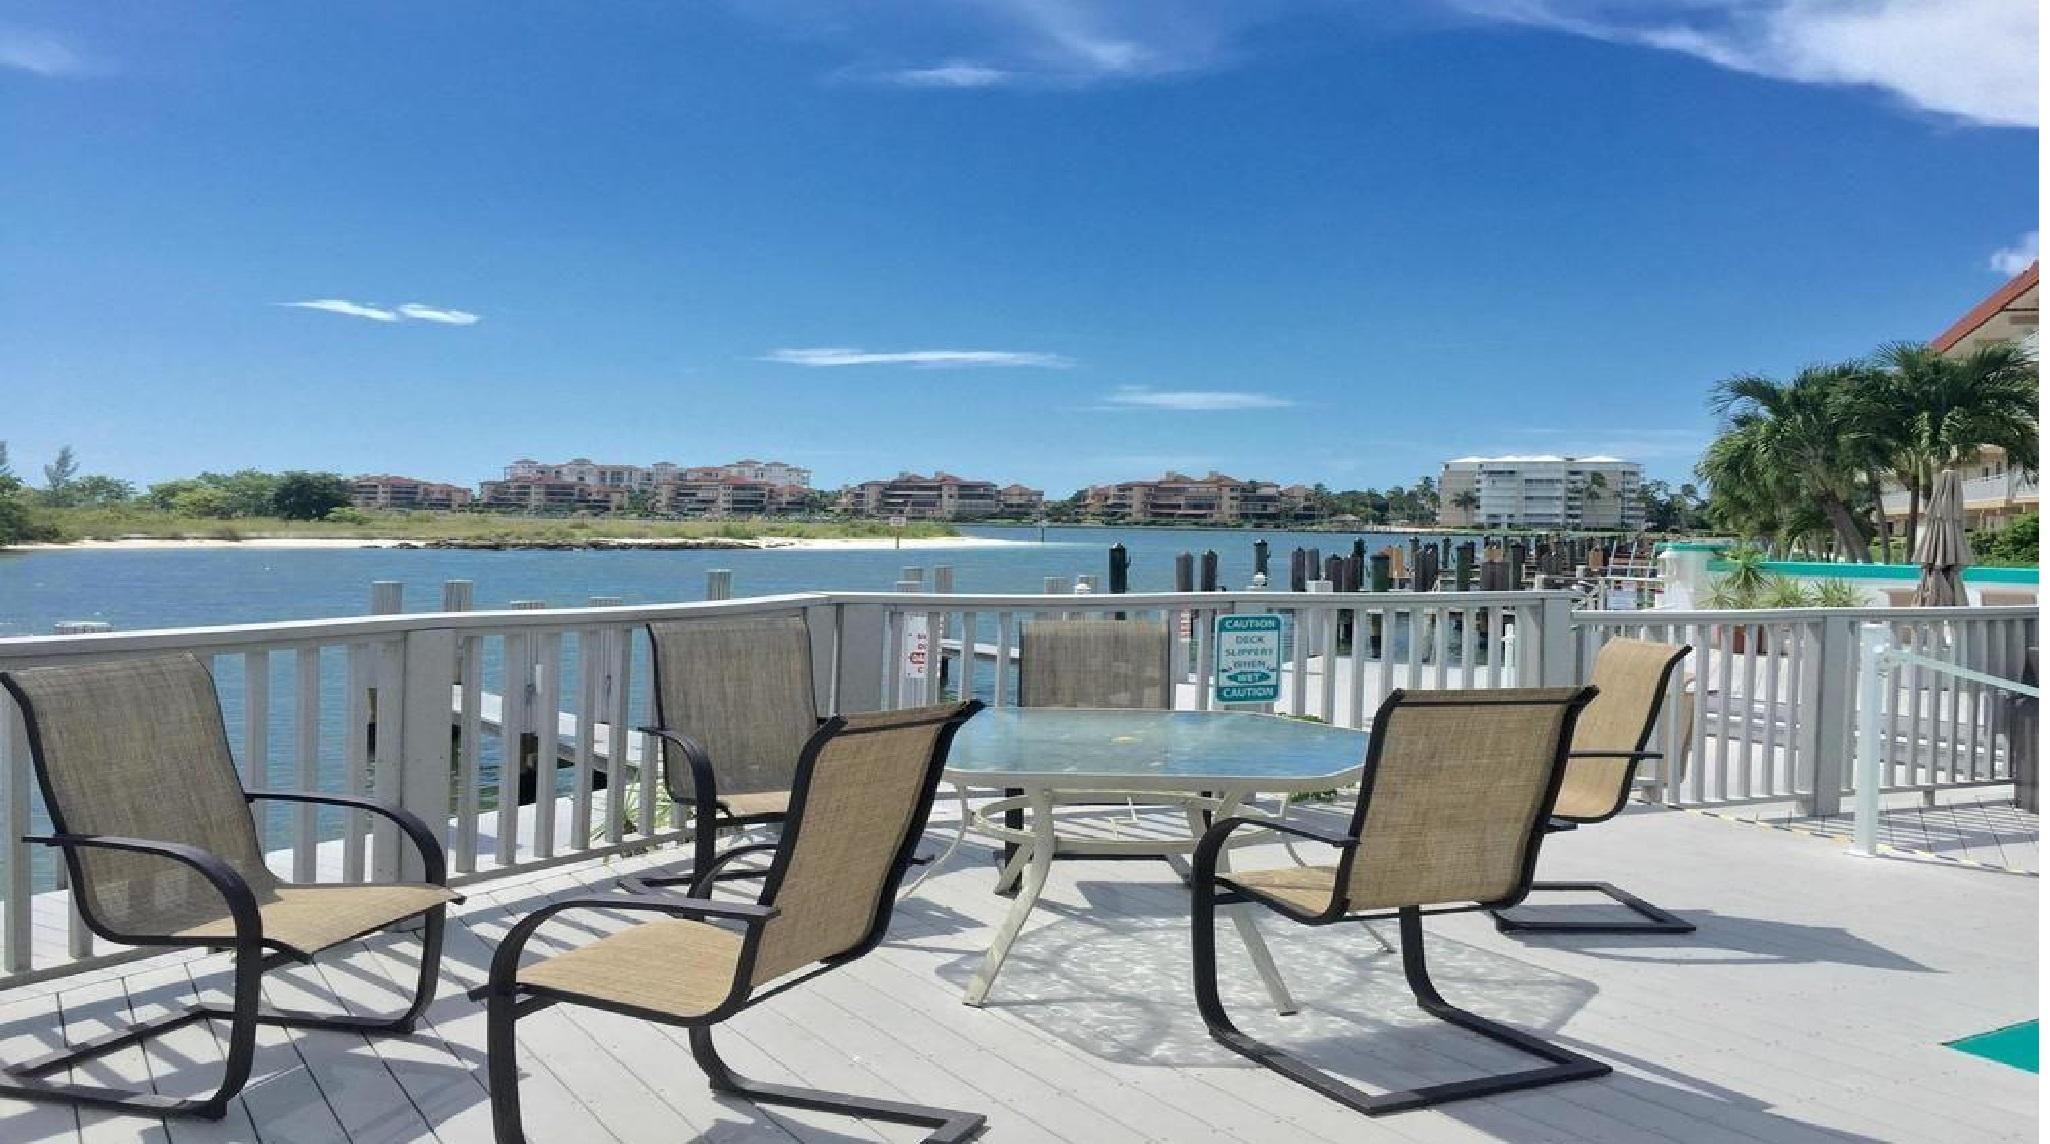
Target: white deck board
x=1811, y=1006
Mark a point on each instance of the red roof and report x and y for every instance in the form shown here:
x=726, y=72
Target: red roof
x=1983, y=312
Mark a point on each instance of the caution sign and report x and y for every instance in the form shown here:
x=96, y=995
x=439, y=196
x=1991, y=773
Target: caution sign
x=917, y=647
x=1248, y=659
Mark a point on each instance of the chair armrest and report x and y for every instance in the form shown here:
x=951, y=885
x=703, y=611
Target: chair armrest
x=1615, y=754
x=505, y=962
x=421, y=834
x=704, y=785
x=1205, y=858
x=233, y=888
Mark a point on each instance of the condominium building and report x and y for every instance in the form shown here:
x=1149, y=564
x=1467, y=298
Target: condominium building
x=385, y=491
x=580, y=471
x=1996, y=491
x=1541, y=492
x=778, y=473
x=542, y=495
x=743, y=488
x=584, y=471
x=711, y=492
x=1210, y=499
x=942, y=496
x=1020, y=503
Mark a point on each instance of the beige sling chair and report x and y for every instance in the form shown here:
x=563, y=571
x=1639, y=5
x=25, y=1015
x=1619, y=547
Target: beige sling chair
x=1608, y=744
x=734, y=707
x=1116, y=664
x=1452, y=808
x=161, y=850
x=861, y=792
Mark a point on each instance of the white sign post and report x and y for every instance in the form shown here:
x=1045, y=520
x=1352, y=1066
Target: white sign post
x=1248, y=658
x=897, y=526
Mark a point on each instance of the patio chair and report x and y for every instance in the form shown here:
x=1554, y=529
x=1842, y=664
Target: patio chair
x=863, y=788
x=161, y=850
x=1103, y=663
x=1451, y=813
x=734, y=707
x=1608, y=744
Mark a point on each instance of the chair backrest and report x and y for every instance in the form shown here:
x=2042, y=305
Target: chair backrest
x=1631, y=676
x=742, y=687
x=1454, y=796
x=1108, y=663
x=864, y=788
x=136, y=748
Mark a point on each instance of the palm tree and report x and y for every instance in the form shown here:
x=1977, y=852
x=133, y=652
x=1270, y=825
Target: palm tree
x=1934, y=412
x=1788, y=443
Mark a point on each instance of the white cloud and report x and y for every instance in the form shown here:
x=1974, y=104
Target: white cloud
x=344, y=306
x=1191, y=400
x=411, y=311
x=927, y=359
x=953, y=74
x=981, y=44
x=2012, y=260
x=422, y=313
x=1972, y=60
x=38, y=53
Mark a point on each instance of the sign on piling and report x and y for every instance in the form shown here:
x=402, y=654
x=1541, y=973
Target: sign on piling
x=1248, y=659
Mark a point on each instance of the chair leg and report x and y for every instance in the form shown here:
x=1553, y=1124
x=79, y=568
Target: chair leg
x=25, y=1080
x=502, y=1069
x=948, y=1126
x=1655, y=920
x=1564, y=1064
x=704, y=840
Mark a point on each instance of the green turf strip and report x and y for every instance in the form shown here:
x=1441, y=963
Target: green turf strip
x=2017, y=1046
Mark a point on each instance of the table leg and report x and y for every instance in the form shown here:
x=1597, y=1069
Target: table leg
x=960, y=836
x=1008, y=859
x=1241, y=915
x=1039, y=860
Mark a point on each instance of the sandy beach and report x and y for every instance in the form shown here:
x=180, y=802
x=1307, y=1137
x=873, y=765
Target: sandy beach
x=766, y=543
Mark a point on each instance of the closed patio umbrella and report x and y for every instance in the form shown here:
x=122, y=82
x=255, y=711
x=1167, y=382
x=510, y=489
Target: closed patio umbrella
x=1941, y=549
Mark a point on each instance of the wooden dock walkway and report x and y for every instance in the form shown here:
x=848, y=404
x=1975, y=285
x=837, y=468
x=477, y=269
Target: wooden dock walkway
x=1810, y=1007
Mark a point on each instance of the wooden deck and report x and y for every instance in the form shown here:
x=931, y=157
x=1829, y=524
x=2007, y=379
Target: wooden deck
x=1811, y=1006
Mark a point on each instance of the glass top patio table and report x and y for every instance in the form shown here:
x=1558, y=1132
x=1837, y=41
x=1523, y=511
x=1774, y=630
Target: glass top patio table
x=1074, y=748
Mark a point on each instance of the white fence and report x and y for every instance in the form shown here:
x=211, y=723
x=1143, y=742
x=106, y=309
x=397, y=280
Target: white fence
x=444, y=712
x=1896, y=753
x=1763, y=711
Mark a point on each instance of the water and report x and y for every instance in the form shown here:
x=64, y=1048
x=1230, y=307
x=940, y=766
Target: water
x=136, y=589
x=161, y=588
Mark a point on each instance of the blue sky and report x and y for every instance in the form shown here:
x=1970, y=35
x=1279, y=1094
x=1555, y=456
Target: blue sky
x=1052, y=241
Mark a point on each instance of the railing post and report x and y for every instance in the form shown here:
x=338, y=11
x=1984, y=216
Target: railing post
x=458, y=595
x=719, y=584
x=1836, y=661
x=1875, y=645
x=387, y=597
x=1555, y=667
x=860, y=658
x=422, y=752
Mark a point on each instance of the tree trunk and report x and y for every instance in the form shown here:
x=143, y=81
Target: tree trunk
x=1914, y=517
x=1854, y=542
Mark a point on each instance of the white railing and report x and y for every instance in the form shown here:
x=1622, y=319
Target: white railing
x=1763, y=711
x=1343, y=652
x=1892, y=677
x=444, y=712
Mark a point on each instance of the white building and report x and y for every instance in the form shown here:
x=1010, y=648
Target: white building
x=1547, y=492
x=777, y=473
x=639, y=478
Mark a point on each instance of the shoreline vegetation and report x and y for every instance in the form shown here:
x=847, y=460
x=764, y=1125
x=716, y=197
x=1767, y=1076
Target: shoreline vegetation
x=83, y=528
